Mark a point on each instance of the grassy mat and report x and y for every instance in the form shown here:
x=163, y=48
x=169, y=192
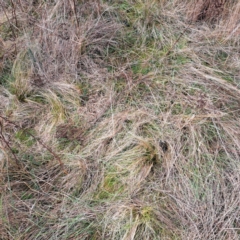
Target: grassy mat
x=119, y=119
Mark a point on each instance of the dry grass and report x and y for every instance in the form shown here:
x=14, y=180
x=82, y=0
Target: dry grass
x=224, y=14
x=119, y=120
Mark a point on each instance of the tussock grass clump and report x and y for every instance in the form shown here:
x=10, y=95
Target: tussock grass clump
x=226, y=12
x=208, y=10
x=119, y=120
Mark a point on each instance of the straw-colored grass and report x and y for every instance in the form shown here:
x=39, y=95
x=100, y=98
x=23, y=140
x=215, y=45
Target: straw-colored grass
x=119, y=120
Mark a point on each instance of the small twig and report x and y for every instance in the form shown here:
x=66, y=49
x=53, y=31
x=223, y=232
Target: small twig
x=37, y=139
x=11, y=25
x=14, y=13
x=75, y=13
x=49, y=149
x=177, y=40
x=8, y=146
x=98, y=7
x=20, y=4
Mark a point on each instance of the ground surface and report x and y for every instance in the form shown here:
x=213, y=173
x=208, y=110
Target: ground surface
x=120, y=119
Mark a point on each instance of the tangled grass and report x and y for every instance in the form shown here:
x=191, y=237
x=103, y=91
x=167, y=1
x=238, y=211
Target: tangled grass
x=119, y=119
